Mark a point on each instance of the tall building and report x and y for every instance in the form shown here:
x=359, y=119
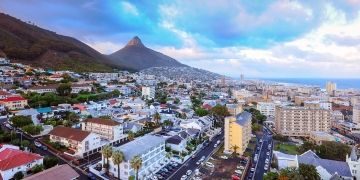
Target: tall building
x=266, y=108
x=237, y=132
x=330, y=88
x=300, y=121
x=356, y=114
x=148, y=92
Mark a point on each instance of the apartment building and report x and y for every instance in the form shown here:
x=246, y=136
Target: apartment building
x=106, y=128
x=150, y=148
x=266, y=108
x=148, y=92
x=300, y=121
x=237, y=132
x=79, y=143
x=234, y=108
x=356, y=114
x=330, y=88
x=14, y=102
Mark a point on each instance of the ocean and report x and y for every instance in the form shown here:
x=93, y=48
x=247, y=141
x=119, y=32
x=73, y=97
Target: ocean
x=341, y=83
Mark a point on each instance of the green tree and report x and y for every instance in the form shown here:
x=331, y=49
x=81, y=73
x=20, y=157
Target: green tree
x=64, y=89
x=19, y=175
x=201, y=112
x=25, y=143
x=157, y=118
x=136, y=163
x=20, y=121
x=32, y=129
x=118, y=158
x=50, y=161
x=271, y=176
x=309, y=172
x=219, y=112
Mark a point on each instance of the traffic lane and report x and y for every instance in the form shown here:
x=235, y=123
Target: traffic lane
x=191, y=163
x=259, y=172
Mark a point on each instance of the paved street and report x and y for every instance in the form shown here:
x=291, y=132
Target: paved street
x=259, y=166
x=191, y=162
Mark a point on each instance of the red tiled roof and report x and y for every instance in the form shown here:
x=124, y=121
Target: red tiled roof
x=11, y=158
x=4, y=93
x=13, y=98
x=69, y=133
x=107, y=122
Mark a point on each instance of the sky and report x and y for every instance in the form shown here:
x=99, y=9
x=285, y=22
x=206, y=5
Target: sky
x=257, y=38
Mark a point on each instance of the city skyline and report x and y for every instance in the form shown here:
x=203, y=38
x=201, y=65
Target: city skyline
x=258, y=39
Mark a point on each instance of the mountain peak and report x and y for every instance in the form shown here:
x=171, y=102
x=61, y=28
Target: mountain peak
x=135, y=41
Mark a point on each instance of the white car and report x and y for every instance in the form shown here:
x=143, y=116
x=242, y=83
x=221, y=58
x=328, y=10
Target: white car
x=209, y=164
x=266, y=167
x=188, y=172
x=183, y=177
x=268, y=153
x=252, y=169
x=215, y=145
x=223, y=157
x=37, y=144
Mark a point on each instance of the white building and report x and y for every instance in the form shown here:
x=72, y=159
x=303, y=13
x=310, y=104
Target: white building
x=80, y=143
x=106, y=128
x=150, y=148
x=354, y=163
x=15, y=160
x=266, y=108
x=148, y=92
x=356, y=114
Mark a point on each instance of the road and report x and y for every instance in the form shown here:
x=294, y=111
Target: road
x=190, y=164
x=260, y=163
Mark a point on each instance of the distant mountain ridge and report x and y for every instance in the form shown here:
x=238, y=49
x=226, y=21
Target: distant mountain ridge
x=136, y=55
x=29, y=44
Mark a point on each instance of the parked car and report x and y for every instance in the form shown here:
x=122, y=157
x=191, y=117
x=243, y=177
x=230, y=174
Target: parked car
x=238, y=171
x=183, y=177
x=44, y=148
x=252, y=169
x=268, y=153
x=209, y=164
x=188, y=172
x=223, y=157
x=37, y=144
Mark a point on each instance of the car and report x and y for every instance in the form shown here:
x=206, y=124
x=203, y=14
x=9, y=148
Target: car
x=202, y=158
x=215, y=145
x=235, y=177
x=44, y=148
x=193, y=156
x=258, y=148
x=218, y=142
x=238, y=171
x=37, y=144
x=209, y=164
x=188, y=172
x=252, y=169
x=223, y=157
x=261, y=141
x=266, y=167
x=240, y=167
x=198, y=162
x=197, y=172
x=183, y=177
x=268, y=153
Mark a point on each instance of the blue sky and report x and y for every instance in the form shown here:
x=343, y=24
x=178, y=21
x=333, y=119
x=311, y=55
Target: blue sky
x=285, y=38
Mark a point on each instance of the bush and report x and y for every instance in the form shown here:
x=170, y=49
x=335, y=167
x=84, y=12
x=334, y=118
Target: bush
x=50, y=161
x=37, y=168
x=32, y=129
x=21, y=121
x=18, y=175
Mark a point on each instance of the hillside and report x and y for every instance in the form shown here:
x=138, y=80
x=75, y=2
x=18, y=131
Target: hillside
x=137, y=56
x=29, y=44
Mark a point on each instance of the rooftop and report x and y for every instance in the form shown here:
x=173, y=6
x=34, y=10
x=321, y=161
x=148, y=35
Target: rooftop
x=140, y=146
x=243, y=118
x=11, y=158
x=69, y=133
x=107, y=122
x=60, y=172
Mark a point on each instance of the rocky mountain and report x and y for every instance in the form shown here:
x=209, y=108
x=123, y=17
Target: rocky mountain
x=26, y=43
x=137, y=56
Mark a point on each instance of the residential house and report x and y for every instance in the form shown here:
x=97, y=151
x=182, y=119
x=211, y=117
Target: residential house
x=59, y=172
x=80, y=143
x=15, y=160
x=76, y=88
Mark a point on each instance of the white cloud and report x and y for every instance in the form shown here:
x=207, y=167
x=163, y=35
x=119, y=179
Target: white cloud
x=130, y=8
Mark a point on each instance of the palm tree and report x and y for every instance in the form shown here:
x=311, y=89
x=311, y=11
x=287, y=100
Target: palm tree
x=118, y=158
x=106, y=151
x=235, y=148
x=131, y=135
x=157, y=118
x=136, y=163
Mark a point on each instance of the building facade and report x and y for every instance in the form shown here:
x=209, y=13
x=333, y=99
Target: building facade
x=105, y=128
x=266, y=108
x=300, y=121
x=356, y=114
x=237, y=132
x=148, y=92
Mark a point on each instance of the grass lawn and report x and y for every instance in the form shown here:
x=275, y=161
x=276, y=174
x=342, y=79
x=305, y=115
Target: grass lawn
x=286, y=148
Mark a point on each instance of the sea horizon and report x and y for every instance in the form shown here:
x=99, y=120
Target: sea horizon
x=342, y=83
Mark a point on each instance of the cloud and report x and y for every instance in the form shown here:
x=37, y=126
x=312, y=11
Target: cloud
x=128, y=7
